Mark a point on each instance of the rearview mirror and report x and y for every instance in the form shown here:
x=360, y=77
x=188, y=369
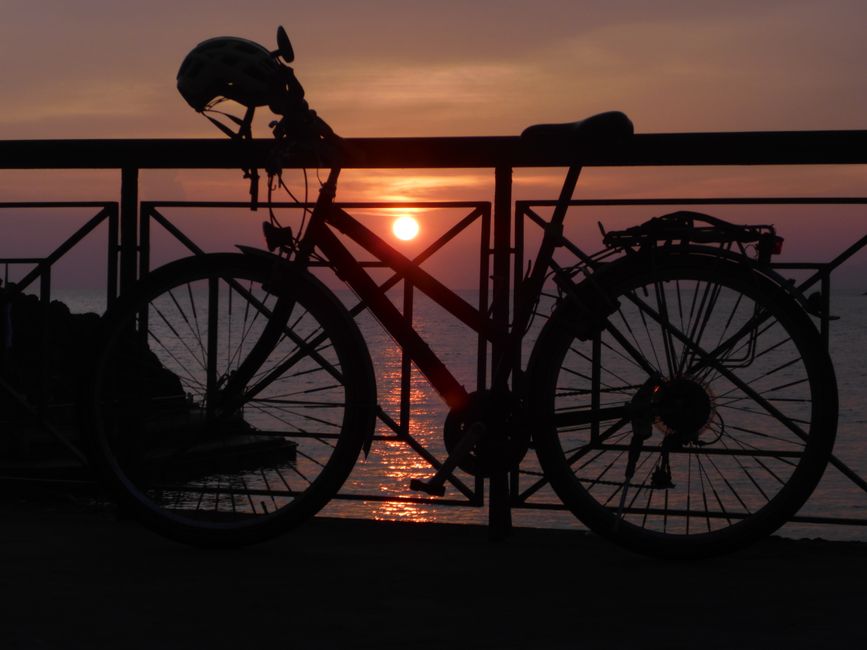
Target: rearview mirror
x=284, y=46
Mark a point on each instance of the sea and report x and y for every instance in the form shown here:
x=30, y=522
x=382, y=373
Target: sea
x=384, y=474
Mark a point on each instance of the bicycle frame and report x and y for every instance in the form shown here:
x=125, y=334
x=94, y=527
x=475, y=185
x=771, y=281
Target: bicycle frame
x=320, y=240
x=327, y=215
x=301, y=368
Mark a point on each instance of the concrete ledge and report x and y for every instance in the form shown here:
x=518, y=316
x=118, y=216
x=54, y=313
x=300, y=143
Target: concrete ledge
x=73, y=579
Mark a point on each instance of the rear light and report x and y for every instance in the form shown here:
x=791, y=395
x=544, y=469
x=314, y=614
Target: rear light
x=777, y=248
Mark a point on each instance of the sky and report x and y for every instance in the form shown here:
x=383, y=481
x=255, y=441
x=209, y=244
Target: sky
x=106, y=69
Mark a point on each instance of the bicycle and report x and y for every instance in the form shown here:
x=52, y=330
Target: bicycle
x=678, y=398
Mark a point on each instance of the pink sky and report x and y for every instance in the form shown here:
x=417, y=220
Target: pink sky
x=101, y=69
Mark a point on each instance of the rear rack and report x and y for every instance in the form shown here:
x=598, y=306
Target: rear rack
x=687, y=227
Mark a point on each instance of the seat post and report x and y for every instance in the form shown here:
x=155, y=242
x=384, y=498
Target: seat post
x=566, y=193
x=550, y=241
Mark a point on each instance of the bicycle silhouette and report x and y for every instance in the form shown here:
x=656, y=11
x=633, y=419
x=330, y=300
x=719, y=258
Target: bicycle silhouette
x=679, y=398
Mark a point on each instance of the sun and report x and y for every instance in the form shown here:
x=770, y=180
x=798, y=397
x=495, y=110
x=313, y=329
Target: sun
x=405, y=228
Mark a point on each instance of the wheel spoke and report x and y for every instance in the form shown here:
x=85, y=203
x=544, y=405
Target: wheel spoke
x=720, y=368
x=209, y=466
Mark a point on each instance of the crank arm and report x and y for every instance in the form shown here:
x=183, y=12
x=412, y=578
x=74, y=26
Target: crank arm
x=436, y=485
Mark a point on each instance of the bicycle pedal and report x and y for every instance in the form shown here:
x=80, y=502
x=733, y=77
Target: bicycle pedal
x=433, y=489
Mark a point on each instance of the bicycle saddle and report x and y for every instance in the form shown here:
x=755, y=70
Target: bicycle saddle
x=600, y=129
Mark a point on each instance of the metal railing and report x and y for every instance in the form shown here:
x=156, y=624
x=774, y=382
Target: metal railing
x=397, y=425
x=527, y=212
x=36, y=406
x=501, y=246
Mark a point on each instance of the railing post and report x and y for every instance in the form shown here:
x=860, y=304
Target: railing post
x=501, y=257
x=111, y=266
x=128, y=227
x=499, y=513
x=144, y=239
x=45, y=338
x=406, y=362
x=517, y=279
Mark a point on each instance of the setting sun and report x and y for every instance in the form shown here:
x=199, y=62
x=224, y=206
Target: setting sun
x=405, y=228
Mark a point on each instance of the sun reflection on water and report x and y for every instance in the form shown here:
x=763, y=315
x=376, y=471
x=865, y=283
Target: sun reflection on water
x=392, y=463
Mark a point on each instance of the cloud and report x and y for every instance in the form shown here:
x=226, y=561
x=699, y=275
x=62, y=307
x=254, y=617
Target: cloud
x=105, y=69
x=91, y=98
x=419, y=99
x=792, y=66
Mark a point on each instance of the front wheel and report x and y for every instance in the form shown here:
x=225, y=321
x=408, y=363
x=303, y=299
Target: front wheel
x=697, y=417
x=193, y=454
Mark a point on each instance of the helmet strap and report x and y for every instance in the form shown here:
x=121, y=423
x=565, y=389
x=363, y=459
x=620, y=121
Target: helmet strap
x=225, y=129
x=245, y=131
x=245, y=126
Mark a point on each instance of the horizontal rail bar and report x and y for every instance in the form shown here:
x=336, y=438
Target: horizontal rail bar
x=736, y=148
x=702, y=451
x=385, y=498
x=806, y=200
x=43, y=480
x=799, y=519
x=396, y=205
x=66, y=246
x=55, y=204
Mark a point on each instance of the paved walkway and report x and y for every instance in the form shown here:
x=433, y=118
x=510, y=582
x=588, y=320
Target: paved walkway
x=84, y=580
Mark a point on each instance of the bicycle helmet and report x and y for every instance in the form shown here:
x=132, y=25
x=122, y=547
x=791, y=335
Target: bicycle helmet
x=234, y=68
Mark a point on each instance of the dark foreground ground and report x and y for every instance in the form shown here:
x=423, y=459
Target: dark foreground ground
x=73, y=579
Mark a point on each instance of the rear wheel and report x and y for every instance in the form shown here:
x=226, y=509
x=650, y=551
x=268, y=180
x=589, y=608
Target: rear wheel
x=699, y=417
x=214, y=465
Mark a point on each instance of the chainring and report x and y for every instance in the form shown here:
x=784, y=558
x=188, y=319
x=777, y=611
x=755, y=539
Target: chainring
x=505, y=440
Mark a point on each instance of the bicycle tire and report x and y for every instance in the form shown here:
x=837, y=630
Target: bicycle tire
x=195, y=464
x=758, y=441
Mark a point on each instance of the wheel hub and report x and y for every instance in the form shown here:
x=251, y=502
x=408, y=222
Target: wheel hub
x=683, y=407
